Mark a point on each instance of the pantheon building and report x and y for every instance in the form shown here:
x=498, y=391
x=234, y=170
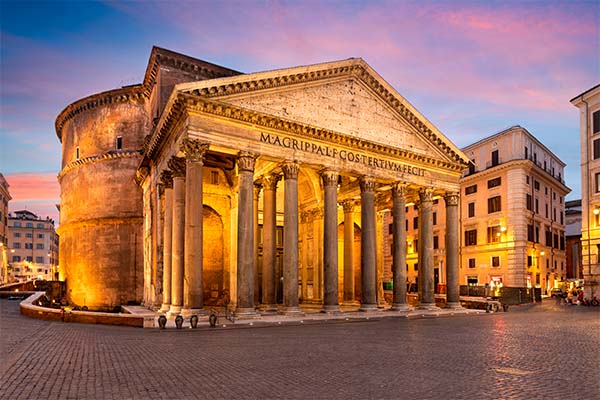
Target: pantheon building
x=204, y=187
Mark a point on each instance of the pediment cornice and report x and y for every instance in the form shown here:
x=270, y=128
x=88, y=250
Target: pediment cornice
x=353, y=68
x=184, y=103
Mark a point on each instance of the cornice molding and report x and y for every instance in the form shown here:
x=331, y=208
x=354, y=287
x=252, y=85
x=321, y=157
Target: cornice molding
x=111, y=155
x=122, y=95
x=186, y=103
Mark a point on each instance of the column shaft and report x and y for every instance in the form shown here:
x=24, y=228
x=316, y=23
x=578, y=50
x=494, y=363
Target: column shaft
x=168, y=240
x=330, y=242
x=245, y=245
x=452, y=249
x=368, y=261
x=177, y=165
x=192, y=288
x=290, y=238
x=349, y=251
x=399, y=246
x=426, y=289
x=269, y=298
x=256, y=195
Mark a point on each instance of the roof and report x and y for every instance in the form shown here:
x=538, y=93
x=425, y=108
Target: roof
x=584, y=93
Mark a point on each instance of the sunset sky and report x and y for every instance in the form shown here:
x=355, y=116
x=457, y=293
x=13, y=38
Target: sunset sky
x=473, y=68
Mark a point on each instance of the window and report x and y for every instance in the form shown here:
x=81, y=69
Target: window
x=16, y=258
x=555, y=241
x=17, y=224
x=406, y=224
x=471, y=189
x=536, y=185
x=596, y=149
x=597, y=182
x=416, y=266
x=214, y=177
x=596, y=122
x=471, y=211
x=526, y=153
x=471, y=263
x=29, y=245
x=492, y=183
x=472, y=280
x=529, y=202
x=472, y=167
x=119, y=144
x=546, y=190
x=494, y=204
x=471, y=237
x=40, y=226
x=77, y=153
x=416, y=246
x=29, y=235
x=436, y=242
x=530, y=233
x=17, y=234
x=416, y=223
x=527, y=179
x=29, y=225
x=39, y=260
x=529, y=261
x=40, y=235
x=495, y=261
x=17, y=245
x=537, y=234
x=30, y=258
x=39, y=246
x=494, y=234
x=537, y=206
x=549, y=238
x=435, y=218
x=390, y=229
x=537, y=279
x=495, y=158
x=546, y=210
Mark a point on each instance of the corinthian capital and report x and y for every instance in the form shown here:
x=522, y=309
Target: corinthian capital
x=426, y=195
x=141, y=174
x=330, y=178
x=246, y=161
x=270, y=181
x=290, y=170
x=167, y=179
x=367, y=184
x=177, y=167
x=399, y=189
x=194, y=149
x=452, y=199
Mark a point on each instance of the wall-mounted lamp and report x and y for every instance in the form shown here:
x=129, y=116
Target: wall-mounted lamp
x=542, y=253
x=503, y=229
x=596, y=211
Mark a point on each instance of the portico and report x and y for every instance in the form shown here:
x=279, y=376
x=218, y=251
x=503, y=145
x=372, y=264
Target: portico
x=290, y=167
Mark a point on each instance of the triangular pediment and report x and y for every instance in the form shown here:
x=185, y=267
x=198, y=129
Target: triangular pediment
x=347, y=97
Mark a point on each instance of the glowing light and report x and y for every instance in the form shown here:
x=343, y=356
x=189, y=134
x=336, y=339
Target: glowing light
x=503, y=229
x=596, y=211
x=542, y=253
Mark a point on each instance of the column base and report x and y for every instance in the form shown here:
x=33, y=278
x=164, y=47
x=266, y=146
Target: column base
x=188, y=312
x=455, y=305
x=331, y=309
x=246, y=312
x=400, y=307
x=368, y=307
x=268, y=308
x=164, y=308
x=428, y=306
x=174, y=310
x=350, y=303
x=291, y=311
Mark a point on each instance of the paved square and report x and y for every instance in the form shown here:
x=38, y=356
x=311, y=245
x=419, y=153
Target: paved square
x=547, y=351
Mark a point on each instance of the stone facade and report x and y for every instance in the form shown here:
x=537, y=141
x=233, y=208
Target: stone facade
x=241, y=180
x=588, y=104
x=4, y=252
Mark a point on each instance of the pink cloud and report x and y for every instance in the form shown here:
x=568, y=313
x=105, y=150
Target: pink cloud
x=36, y=192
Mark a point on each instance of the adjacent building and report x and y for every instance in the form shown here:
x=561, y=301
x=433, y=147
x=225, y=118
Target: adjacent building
x=4, y=199
x=573, y=238
x=511, y=217
x=588, y=104
x=32, y=247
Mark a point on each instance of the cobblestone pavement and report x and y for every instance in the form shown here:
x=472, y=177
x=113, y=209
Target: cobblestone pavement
x=535, y=352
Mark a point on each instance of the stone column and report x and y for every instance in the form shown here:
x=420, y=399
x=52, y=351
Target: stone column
x=452, y=248
x=349, y=251
x=177, y=167
x=330, y=242
x=426, y=293
x=193, y=295
x=269, y=298
x=290, y=238
x=399, y=247
x=245, y=237
x=368, y=259
x=167, y=181
x=257, y=188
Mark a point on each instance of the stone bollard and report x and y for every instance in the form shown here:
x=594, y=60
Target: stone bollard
x=194, y=321
x=179, y=321
x=162, y=322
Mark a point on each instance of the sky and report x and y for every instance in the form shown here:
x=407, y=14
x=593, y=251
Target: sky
x=473, y=68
